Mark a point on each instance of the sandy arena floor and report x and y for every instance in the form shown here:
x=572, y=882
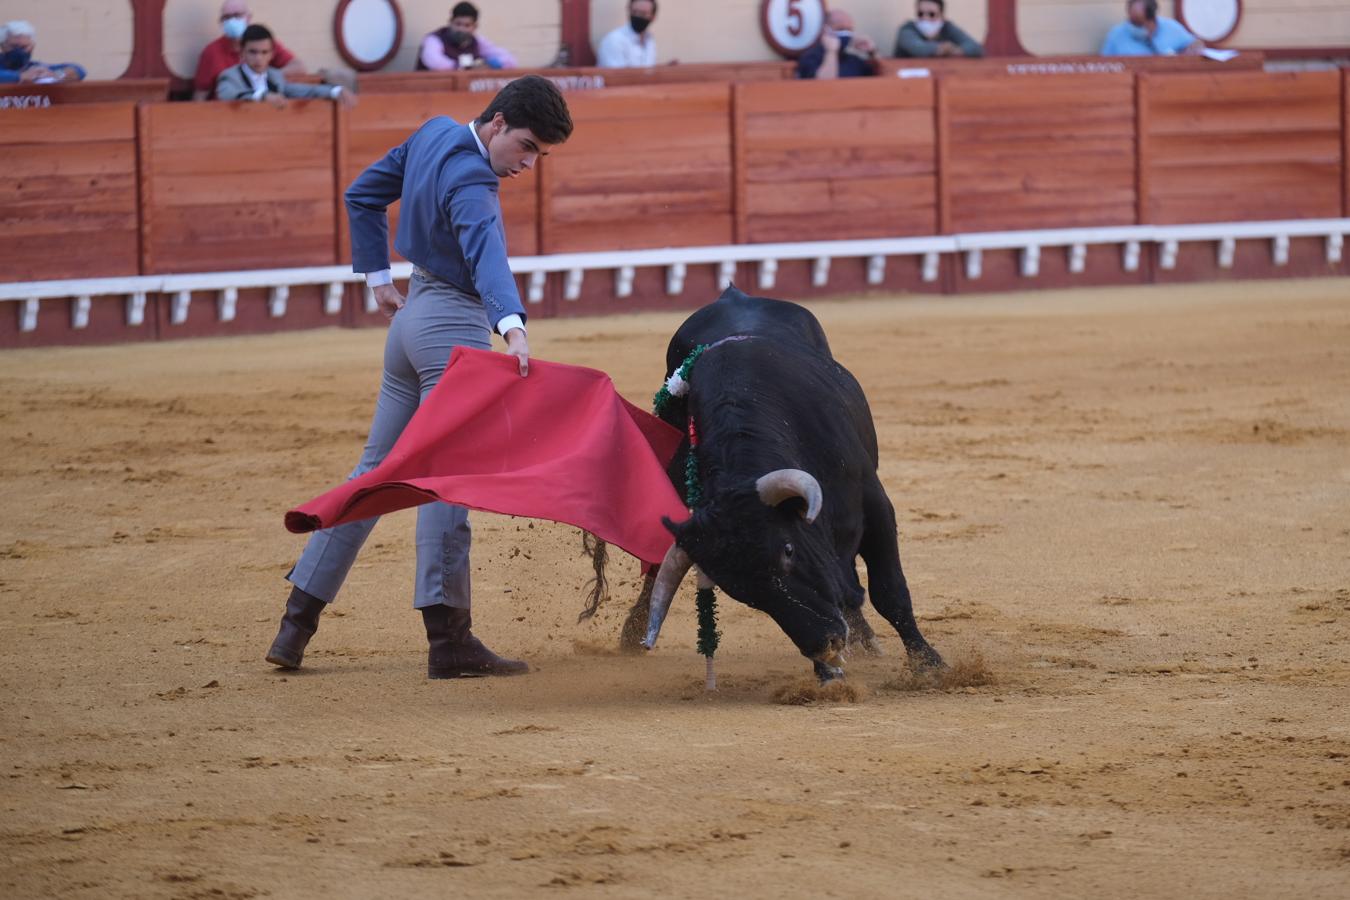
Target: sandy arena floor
x=1131, y=507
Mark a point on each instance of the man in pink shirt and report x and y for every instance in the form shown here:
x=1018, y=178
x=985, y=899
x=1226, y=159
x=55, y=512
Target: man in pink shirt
x=223, y=52
x=460, y=46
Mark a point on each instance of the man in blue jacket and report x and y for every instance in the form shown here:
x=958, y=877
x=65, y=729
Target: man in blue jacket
x=1145, y=33
x=450, y=227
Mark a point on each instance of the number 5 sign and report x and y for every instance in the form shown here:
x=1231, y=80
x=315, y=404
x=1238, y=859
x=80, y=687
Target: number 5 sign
x=791, y=26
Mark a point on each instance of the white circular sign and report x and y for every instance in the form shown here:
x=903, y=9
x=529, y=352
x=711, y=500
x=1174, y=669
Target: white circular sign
x=370, y=29
x=791, y=26
x=1210, y=20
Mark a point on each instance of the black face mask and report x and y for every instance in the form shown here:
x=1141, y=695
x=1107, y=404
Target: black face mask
x=15, y=59
x=638, y=23
x=460, y=38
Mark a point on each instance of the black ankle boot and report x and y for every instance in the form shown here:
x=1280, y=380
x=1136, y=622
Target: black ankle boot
x=453, y=651
x=298, y=625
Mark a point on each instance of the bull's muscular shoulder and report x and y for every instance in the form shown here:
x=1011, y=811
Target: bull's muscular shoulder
x=737, y=313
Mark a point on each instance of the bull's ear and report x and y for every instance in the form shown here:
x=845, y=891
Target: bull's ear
x=675, y=528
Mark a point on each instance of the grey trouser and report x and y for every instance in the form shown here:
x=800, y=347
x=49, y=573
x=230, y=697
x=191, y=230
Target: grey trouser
x=436, y=319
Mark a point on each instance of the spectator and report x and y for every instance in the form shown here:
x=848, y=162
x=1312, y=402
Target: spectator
x=223, y=52
x=840, y=53
x=930, y=34
x=255, y=79
x=17, y=40
x=1145, y=33
x=460, y=46
x=630, y=46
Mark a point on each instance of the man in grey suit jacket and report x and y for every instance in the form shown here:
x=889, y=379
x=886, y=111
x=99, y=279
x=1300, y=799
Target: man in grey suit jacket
x=445, y=177
x=255, y=79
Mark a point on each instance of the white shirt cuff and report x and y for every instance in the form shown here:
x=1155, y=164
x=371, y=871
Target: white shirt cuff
x=380, y=278
x=508, y=322
x=335, y=92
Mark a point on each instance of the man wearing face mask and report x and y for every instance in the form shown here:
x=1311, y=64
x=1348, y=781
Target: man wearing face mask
x=840, y=53
x=17, y=40
x=224, y=52
x=1145, y=33
x=630, y=46
x=445, y=178
x=929, y=34
x=460, y=46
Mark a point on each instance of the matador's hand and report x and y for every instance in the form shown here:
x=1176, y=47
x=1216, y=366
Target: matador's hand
x=389, y=299
x=518, y=346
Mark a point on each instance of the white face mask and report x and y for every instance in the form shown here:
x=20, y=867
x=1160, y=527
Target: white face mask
x=234, y=27
x=929, y=28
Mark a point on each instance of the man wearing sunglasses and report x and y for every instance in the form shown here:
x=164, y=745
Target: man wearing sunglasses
x=929, y=34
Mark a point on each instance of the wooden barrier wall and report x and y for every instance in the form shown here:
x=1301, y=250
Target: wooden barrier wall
x=229, y=186
x=1242, y=146
x=646, y=167
x=68, y=192
x=1038, y=151
x=100, y=190
x=814, y=160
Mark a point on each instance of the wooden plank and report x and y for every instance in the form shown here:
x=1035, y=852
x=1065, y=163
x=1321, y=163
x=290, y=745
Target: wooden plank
x=237, y=185
x=123, y=90
x=94, y=159
x=1038, y=152
x=845, y=159
x=68, y=192
x=822, y=128
x=54, y=125
x=1250, y=145
x=1345, y=141
x=656, y=102
x=942, y=122
x=740, y=101
x=863, y=93
x=1143, y=147
x=643, y=166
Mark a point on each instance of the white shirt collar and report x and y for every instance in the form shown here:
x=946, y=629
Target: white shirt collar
x=473, y=130
x=256, y=81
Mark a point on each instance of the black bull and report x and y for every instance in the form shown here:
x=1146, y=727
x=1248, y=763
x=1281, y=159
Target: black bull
x=786, y=461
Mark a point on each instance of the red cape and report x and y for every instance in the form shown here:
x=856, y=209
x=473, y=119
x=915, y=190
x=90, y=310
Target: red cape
x=560, y=444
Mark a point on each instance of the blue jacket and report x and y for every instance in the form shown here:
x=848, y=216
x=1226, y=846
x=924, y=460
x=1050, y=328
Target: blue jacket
x=450, y=220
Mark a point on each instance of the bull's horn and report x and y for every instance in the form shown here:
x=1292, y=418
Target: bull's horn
x=672, y=572
x=782, y=484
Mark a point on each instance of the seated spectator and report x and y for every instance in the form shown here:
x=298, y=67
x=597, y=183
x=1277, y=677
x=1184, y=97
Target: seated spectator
x=223, y=52
x=255, y=79
x=630, y=46
x=17, y=40
x=460, y=46
x=840, y=53
x=1145, y=33
x=930, y=34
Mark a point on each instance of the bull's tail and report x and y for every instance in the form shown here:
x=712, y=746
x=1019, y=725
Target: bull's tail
x=598, y=551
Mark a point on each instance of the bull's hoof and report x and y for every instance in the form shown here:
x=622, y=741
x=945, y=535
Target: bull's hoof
x=925, y=659
x=861, y=637
x=827, y=673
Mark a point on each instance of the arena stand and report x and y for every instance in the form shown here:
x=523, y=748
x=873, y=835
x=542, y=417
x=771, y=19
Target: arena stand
x=135, y=219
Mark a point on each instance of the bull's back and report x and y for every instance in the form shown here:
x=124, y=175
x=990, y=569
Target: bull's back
x=737, y=313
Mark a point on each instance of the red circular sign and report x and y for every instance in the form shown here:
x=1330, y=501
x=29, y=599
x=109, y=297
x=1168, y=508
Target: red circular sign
x=791, y=26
